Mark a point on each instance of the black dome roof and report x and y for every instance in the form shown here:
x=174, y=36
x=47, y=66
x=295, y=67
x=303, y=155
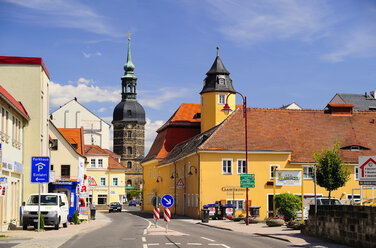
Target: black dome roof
x=129, y=111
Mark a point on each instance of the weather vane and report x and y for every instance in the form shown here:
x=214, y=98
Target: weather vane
x=129, y=34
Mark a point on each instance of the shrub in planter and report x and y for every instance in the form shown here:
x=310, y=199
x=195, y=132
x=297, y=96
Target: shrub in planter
x=287, y=205
x=75, y=219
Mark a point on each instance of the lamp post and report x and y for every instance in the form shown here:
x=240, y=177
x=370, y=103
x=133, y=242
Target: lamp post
x=227, y=109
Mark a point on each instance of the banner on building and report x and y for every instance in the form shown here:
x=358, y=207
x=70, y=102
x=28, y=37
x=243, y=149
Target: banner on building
x=288, y=178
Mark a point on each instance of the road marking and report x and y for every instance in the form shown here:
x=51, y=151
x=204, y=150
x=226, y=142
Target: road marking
x=143, y=239
x=211, y=240
x=145, y=246
x=194, y=244
x=173, y=243
x=221, y=245
x=153, y=244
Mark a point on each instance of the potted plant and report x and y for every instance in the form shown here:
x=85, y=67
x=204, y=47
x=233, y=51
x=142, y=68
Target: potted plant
x=277, y=221
x=238, y=218
x=295, y=224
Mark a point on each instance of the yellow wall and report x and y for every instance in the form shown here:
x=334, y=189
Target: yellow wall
x=214, y=186
x=211, y=111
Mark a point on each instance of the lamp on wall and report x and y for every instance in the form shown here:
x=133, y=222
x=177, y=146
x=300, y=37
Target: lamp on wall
x=159, y=179
x=173, y=175
x=190, y=170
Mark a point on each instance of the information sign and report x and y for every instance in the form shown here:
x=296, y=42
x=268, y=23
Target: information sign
x=40, y=169
x=288, y=177
x=247, y=180
x=367, y=170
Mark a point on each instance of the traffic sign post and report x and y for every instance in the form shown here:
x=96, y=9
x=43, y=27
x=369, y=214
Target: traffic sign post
x=156, y=215
x=40, y=173
x=247, y=180
x=167, y=217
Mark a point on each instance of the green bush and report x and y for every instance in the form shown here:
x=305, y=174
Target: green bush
x=287, y=205
x=75, y=219
x=41, y=225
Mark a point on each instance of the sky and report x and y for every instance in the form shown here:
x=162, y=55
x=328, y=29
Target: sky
x=277, y=52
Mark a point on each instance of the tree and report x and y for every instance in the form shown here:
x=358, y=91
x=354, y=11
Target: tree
x=287, y=205
x=134, y=193
x=331, y=173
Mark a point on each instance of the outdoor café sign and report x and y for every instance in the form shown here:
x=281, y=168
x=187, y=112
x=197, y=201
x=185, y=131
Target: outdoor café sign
x=288, y=178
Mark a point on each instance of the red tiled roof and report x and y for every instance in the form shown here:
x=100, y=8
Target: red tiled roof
x=112, y=157
x=17, y=105
x=302, y=132
x=75, y=136
x=24, y=61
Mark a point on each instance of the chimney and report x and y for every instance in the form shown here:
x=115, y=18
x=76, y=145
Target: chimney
x=372, y=94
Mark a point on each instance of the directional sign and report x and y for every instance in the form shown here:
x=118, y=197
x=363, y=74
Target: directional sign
x=167, y=201
x=247, y=180
x=40, y=169
x=156, y=201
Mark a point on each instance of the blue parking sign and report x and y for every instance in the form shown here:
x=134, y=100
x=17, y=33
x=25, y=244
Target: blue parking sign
x=40, y=169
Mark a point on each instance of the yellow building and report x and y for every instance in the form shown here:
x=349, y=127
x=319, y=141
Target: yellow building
x=27, y=79
x=206, y=167
x=108, y=173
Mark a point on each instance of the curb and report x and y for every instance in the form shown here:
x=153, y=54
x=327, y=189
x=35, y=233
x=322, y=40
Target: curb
x=271, y=236
x=222, y=228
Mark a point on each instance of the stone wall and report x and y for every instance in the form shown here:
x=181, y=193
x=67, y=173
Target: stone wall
x=345, y=224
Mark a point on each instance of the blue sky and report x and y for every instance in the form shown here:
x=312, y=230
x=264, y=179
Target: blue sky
x=278, y=52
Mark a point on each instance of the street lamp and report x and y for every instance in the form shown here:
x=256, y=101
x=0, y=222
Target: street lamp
x=227, y=109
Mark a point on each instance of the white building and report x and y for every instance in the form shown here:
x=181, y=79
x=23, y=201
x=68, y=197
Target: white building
x=74, y=115
x=13, y=118
x=27, y=80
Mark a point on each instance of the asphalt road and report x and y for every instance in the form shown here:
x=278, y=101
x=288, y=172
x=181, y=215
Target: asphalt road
x=128, y=230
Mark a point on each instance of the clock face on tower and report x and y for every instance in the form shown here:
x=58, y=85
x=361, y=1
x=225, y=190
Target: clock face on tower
x=221, y=81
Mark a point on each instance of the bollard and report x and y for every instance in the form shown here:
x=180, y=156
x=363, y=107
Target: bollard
x=167, y=217
x=156, y=215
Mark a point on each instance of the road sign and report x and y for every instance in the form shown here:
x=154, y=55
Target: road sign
x=40, y=169
x=247, y=180
x=180, y=184
x=367, y=170
x=92, y=182
x=167, y=201
x=156, y=201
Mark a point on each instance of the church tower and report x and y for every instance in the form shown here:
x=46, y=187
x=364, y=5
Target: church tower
x=129, y=127
x=217, y=85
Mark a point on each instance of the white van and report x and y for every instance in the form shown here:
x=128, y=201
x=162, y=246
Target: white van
x=53, y=206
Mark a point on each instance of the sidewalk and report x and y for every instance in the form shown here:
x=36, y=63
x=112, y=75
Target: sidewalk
x=51, y=238
x=282, y=233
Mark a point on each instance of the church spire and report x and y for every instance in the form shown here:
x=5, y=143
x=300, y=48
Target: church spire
x=129, y=80
x=129, y=66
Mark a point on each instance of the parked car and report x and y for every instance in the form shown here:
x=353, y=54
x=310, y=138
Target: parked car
x=132, y=203
x=320, y=201
x=115, y=206
x=53, y=206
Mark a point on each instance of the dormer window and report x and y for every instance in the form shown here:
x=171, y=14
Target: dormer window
x=129, y=113
x=354, y=148
x=221, y=80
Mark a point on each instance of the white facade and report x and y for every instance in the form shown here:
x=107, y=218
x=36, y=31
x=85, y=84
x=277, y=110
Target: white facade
x=12, y=122
x=74, y=115
x=29, y=84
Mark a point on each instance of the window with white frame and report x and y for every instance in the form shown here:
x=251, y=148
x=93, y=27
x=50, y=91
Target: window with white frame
x=100, y=163
x=221, y=99
x=154, y=171
x=272, y=166
x=102, y=199
x=177, y=199
x=115, y=181
x=103, y=181
x=193, y=200
x=356, y=172
x=92, y=163
x=226, y=166
x=188, y=200
x=239, y=204
x=150, y=172
x=197, y=199
x=241, y=166
x=308, y=172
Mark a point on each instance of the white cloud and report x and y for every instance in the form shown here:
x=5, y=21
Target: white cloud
x=263, y=20
x=60, y=94
x=84, y=80
x=66, y=14
x=101, y=110
x=355, y=44
x=89, y=55
x=156, y=99
x=150, y=132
